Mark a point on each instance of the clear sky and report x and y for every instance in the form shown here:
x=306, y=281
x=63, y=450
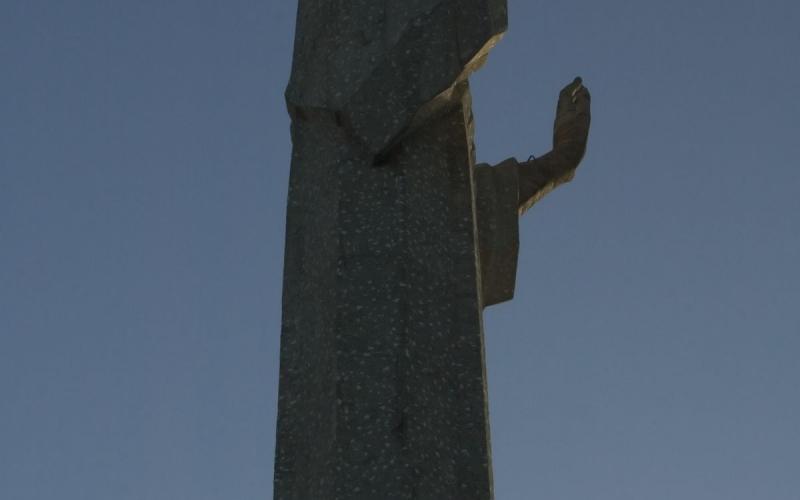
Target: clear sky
x=651, y=351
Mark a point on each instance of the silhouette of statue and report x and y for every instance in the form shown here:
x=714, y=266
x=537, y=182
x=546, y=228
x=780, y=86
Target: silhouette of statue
x=395, y=242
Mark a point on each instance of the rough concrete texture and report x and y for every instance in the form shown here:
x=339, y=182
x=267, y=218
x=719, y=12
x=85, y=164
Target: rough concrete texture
x=380, y=64
x=394, y=243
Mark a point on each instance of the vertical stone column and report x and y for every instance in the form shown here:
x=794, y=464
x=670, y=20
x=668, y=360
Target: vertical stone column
x=382, y=383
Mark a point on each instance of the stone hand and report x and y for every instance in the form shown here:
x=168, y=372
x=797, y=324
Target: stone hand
x=571, y=128
x=539, y=176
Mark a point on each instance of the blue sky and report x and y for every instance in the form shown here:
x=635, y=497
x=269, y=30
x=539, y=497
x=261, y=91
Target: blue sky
x=650, y=352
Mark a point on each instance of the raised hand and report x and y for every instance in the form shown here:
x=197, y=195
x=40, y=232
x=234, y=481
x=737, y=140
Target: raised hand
x=539, y=176
x=573, y=115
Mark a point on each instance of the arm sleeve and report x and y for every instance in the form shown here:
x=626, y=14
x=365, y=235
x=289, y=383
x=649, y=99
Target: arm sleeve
x=497, y=205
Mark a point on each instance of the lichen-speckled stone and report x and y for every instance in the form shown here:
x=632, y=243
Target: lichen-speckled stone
x=390, y=227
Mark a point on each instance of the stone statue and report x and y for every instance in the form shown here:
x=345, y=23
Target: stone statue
x=395, y=242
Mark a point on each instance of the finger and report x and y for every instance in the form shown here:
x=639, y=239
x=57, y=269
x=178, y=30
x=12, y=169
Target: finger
x=571, y=87
x=581, y=94
x=567, y=98
x=582, y=100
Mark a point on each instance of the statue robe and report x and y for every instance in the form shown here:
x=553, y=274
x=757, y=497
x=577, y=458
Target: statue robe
x=395, y=241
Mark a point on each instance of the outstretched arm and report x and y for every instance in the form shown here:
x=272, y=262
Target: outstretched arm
x=539, y=176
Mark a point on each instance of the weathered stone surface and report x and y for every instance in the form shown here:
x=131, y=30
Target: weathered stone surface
x=389, y=258
x=380, y=64
x=382, y=379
